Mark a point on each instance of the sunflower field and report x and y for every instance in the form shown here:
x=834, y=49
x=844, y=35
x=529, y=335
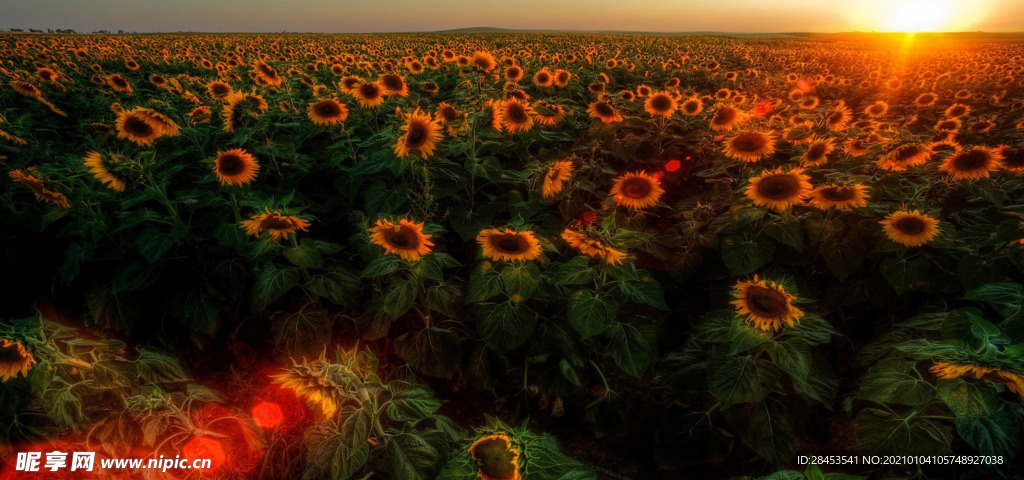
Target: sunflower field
x=514, y=256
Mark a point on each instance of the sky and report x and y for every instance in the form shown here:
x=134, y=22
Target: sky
x=753, y=16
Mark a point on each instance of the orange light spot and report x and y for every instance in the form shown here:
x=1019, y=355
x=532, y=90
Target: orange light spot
x=672, y=165
x=267, y=414
x=205, y=448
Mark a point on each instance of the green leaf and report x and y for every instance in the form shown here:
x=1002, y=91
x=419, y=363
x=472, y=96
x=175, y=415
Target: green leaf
x=787, y=233
x=793, y=356
x=880, y=432
x=626, y=239
x=520, y=280
x=411, y=402
x=433, y=351
x=382, y=265
x=968, y=400
x=590, y=313
x=484, y=284
x=844, y=255
x=400, y=297
x=351, y=449
x=340, y=287
x=821, y=384
x=271, y=284
x=157, y=367
x=305, y=255
x=768, y=433
x=903, y=274
x=1003, y=294
x=153, y=244
x=741, y=379
x=412, y=457
x=630, y=349
x=576, y=271
x=743, y=338
x=742, y=256
x=895, y=381
x=505, y=326
x=384, y=198
x=998, y=433
x=647, y=292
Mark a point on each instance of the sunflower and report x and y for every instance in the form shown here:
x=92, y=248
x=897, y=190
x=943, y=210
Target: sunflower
x=515, y=116
x=267, y=75
x=957, y=110
x=1014, y=382
x=904, y=156
x=495, y=457
x=692, y=107
x=167, y=126
x=546, y=113
x=312, y=381
x=327, y=112
x=839, y=117
x=138, y=127
x=14, y=359
x=421, y=133
x=749, y=146
x=543, y=78
x=604, y=111
x=877, y=109
x=562, y=78
x=1013, y=158
x=840, y=197
x=926, y=99
x=817, y=152
x=242, y=106
x=394, y=85
x=636, y=190
x=25, y=88
x=405, y=238
x=593, y=247
x=972, y=164
x=556, y=177
x=910, y=228
x=779, y=190
x=348, y=84
x=219, y=89
x=369, y=94
x=39, y=189
x=119, y=83
x=235, y=167
x=98, y=166
x=765, y=304
x=725, y=118
x=509, y=245
x=483, y=61
x=279, y=226
x=948, y=125
x=660, y=104
x=450, y=117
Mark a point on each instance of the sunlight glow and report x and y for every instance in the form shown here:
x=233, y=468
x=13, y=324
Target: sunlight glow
x=919, y=16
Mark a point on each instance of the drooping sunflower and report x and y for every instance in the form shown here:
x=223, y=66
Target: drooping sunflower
x=779, y=190
x=515, y=115
x=604, y=111
x=765, y=304
x=167, y=126
x=905, y=156
x=817, y=152
x=266, y=74
x=15, y=360
x=421, y=134
x=660, y=104
x=1013, y=158
x=496, y=457
x=725, y=118
x=369, y=94
x=547, y=113
x=39, y=189
x=327, y=112
x=405, y=238
x=972, y=164
x=910, y=228
x=137, y=127
x=840, y=197
x=102, y=167
x=242, y=107
x=555, y=178
x=749, y=146
x=1014, y=382
x=593, y=247
x=636, y=190
x=509, y=245
x=313, y=382
x=219, y=89
x=235, y=167
x=25, y=88
x=278, y=226
x=119, y=83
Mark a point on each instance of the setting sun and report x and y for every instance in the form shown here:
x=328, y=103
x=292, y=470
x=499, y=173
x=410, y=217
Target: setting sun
x=919, y=16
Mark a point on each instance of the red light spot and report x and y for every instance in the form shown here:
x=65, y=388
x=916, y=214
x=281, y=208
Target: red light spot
x=762, y=108
x=267, y=414
x=803, y=86
x=673, y=165
x=689, y=157
x=658, y=175
x=205, y=448
x=719, y=138
x=587, y=217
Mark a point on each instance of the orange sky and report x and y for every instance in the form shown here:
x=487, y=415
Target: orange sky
x=417, y=15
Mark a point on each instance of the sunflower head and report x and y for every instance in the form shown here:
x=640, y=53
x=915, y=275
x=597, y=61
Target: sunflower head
x=422, y=133
x=779, y=190
x=910, y=228
x=750, y=146
x=496, y=457
x=313, y=382
x=235, y=167
x=765, y=304
x=660, y=104
x=555, y=178
x=15, y=360
x=138, y=127
x=404, y=238
x=636, y=190
x=327, y=112
x=973, y=164
x=515, y=115
x=108, y=169
x=278, y=226
x=840, y=197
x=509, y=245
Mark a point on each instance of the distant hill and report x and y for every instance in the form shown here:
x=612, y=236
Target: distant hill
x=613, y=32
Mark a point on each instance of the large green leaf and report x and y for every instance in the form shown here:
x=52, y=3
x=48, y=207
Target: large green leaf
x=505, y=326
x=742, y=256
x=433, y=351
x=741, y=379
x=895, y=381
x=630, y=348
x=882, y=432
x=412, y=457
x=576, y=271
x=590, y=313
x=520, y=280
x=271, y=284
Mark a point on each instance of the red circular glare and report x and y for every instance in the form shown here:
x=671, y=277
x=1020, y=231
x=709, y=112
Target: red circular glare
x=673, y=165
x=267, y=414
x=201, y=448
x=689, y=157
x=587, y=217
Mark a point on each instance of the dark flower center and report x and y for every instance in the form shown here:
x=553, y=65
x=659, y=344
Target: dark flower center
x=509, y=243
x=749, y=142
x=138, y=127
x=766, y=302
x=661, y=103
x=778, y=187
x=971, y=160
x=839, y=194
x=230, y=164
x=276, y=222
x=636, y=188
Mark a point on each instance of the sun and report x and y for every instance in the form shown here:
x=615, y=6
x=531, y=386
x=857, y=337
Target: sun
x=919, y=16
